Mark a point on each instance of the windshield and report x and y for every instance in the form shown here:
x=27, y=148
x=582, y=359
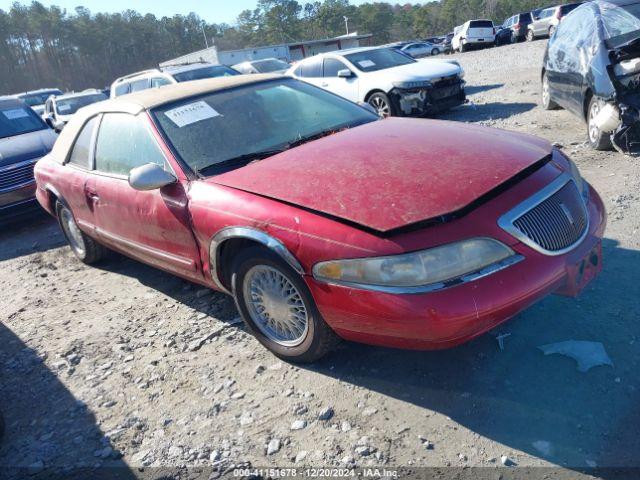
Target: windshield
x=205, y=72
x=213, y=131
x=39, y=98
x=266, y=66
x=17, y=120
x=379, y=59
x=69, y=106
x=621, y=24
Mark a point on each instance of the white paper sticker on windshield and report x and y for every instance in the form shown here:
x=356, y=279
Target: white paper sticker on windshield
x=15, y=113
x=366, y=63
x=64, y=108
x=191, y=113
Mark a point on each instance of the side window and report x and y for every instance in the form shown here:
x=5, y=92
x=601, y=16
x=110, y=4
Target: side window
x=124, y=142
x=332, y=67
x=159, y=82
x=312, y=68
x=138, y=85
x=122, y=89
x=81, y=152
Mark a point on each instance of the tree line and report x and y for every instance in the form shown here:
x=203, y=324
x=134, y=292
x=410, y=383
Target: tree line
x=52, y=47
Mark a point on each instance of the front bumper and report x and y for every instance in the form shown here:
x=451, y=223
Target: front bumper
x=452, y=316
x=17, y=202
x=441, y=96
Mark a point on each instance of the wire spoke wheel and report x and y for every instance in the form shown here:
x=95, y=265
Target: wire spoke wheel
x=275, y=305
x=72, y=232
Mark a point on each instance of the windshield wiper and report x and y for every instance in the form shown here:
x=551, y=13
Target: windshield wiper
x=315, y=136
x=238, y=161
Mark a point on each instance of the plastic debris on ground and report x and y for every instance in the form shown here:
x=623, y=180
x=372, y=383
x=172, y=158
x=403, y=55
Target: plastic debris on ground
x=586, y=354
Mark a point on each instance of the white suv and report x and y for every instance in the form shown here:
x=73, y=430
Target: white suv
x=390, y=81
x=158, y=77
x=474, y=33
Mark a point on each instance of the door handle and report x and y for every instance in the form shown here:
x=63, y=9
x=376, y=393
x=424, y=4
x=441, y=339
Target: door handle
x=91, y=194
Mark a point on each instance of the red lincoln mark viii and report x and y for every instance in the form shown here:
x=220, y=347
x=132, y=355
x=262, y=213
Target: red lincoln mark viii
x=322, y=220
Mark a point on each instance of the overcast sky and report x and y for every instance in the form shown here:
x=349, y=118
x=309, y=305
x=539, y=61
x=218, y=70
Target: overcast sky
x=213, y=11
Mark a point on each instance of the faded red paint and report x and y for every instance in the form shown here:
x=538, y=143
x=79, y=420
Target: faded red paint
x=388, y=174
x=382, y=175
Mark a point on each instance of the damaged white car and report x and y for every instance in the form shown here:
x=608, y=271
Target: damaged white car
x=391, y=82
x=592, y=68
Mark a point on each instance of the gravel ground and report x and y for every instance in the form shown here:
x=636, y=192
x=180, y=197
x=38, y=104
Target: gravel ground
x=125, y=366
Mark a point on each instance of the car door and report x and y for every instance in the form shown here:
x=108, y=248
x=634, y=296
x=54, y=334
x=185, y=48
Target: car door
x=153, y=226
x=345, y=87
x=79, y=180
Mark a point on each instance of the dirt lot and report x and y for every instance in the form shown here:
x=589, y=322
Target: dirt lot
x=125, y=366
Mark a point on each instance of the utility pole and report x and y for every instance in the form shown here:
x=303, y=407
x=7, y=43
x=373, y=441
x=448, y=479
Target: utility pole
x=346, y=23
x=206, y=42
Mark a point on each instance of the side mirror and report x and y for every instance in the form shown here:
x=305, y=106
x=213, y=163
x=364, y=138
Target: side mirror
x=150, y=177
x=345, y=73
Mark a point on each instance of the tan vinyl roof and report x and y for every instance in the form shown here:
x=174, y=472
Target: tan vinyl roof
x=135, y=103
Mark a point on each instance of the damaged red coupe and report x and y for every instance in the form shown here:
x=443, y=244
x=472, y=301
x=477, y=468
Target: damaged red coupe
x=322, y=220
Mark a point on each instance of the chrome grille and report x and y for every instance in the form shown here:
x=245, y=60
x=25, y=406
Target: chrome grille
x=14, y=176
x=553, y=221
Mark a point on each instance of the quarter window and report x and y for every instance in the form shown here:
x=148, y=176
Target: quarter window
x=81, y=153
x=332, y=67
x=124, y=142
x=122, y=89
x=159, y=82
x=312, y=68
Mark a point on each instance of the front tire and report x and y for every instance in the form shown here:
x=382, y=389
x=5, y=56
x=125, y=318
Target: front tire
x=598, y=139
x=530, y=36
x=84, y=247
x=545, y=95
x=278, y=308
x=435, y=51
x=552, y=29
x=381, y=102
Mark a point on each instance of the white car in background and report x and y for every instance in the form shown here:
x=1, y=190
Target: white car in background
x=421, y=49
x=473, y=33
x=391, y=82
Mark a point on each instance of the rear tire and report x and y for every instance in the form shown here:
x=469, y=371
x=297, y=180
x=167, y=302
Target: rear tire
x=83, y=246
x=545, y=95
x=435, y=51
x=597, y=139
x=530, y=36
x=552, y=29
x=278, y=308
x=462, y=48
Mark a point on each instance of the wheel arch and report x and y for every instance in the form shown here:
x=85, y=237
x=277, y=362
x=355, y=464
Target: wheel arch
x=372, y=91
x=54, y=196
x=229, y=241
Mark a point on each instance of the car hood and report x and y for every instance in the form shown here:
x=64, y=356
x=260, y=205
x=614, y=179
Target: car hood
x=391, y=173
x=20, y=148
x=420, y=70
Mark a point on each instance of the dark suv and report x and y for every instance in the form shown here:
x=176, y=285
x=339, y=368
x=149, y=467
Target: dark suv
x=24, y=139
x=514, y=29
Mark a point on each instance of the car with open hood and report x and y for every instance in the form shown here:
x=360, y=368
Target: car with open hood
x=24, y=139
x=392, y=82
x=591, y=67
x=321, y=219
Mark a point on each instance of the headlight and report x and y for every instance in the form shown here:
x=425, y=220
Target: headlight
x=583, y=187
x=422, y=268
x=415, y=84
